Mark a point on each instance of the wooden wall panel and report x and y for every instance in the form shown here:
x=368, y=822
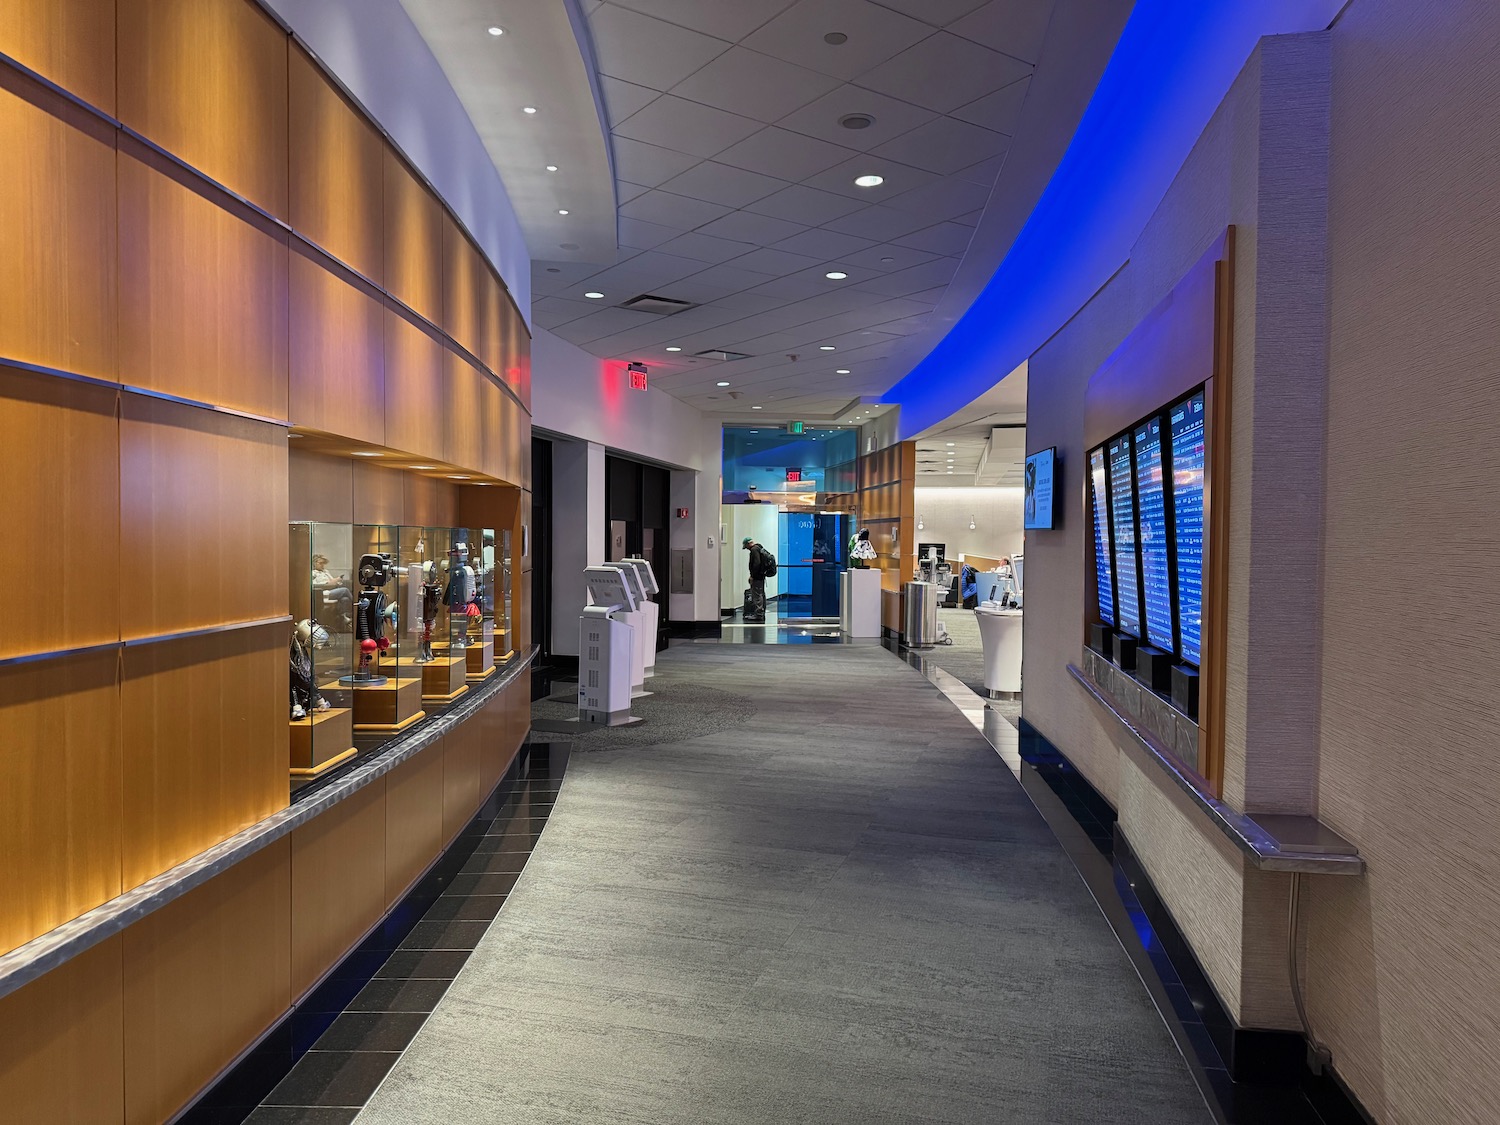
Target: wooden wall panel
x=60, y=774
x=337, y=171
x=338, y=882
x=379, y=494
x=62, y=1042
x=203, y=508
x=413, y=820
x=203, y=290
x=204, y=743
x=463, y=412
x=207, y=80
x=461, y=795
x=463, y=271
x=413, y=240
x=491, y=334
x=413, y=387
x=61, y=482
x=204, y=976
x=322, y=487
x=337, y=370
x=430, y=502
x=492, y=428
x=57, y=243
x=70, y=42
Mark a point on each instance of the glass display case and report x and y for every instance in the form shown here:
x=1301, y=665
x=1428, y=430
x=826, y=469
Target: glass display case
x=385, y=682
x=504, y=621
x=427, y=559
x=479, y=637
x=321, y=647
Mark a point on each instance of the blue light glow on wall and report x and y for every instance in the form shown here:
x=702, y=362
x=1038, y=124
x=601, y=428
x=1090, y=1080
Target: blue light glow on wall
x=1175, y=61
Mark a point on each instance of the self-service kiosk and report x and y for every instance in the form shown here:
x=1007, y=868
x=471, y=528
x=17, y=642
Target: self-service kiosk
x=636, y=618
x=607, y=648
x=650, y=613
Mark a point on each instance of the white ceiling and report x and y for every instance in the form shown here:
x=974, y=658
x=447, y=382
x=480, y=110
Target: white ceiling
x=985, y=446
x=735, y=186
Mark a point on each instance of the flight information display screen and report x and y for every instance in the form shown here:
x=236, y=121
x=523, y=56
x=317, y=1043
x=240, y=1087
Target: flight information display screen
x=1103, y=568
x=1186, y=423
x=1122, y=523
x=1156, y=561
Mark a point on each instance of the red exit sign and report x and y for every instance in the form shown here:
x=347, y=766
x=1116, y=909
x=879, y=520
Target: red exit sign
x=794, y=476
x=638, y=380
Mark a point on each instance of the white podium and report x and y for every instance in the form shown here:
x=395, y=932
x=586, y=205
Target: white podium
x=1000, y=633
x=606, y=649
x=650, y=611
x=859, y=603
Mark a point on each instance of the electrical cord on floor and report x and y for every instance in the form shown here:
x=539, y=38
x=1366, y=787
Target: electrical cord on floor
x=1319, y=1057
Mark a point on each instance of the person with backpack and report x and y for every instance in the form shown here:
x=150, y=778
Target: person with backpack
x=762, y=566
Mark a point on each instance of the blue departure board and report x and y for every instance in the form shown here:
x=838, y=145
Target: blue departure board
x=1156, y=560
x=1103, y=564
x=1186, y=423
x=1122, y=523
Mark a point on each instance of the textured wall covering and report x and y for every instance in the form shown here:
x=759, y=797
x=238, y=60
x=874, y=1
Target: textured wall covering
x=1402, y=972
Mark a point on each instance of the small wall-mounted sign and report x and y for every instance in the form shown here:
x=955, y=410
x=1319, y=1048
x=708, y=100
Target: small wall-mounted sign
x=794, y=476
x=637, y=372
x=795, y=427
x=682, y=513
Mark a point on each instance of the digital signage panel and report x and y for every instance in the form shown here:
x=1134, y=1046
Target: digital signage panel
x=1122, y=523
x=1036, y=512
x=1156, y=560
x=1103, y=565
x=1185, y=421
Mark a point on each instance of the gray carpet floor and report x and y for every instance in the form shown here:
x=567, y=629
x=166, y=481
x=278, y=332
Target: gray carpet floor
x=843, y=909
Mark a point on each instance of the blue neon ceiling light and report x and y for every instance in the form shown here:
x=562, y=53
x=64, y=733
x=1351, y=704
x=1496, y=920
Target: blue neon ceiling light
x=1175, y=61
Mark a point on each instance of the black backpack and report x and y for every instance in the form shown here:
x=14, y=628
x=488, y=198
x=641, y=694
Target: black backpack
x=768, y=560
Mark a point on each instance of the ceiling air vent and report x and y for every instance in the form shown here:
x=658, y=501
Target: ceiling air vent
x=721, y=354
x=661, y=306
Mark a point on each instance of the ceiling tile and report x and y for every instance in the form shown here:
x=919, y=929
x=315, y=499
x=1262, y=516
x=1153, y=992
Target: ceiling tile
x=1000, y=111
x=875, y=34
x=648, y=52
x=647, y=164
x=821, y=118
x=805, y=205
x=621, y=99
x=545, y=283
x=939, y=13
x=625, y=192
x=786, y=155
x=719, y=183
x=775, y=262
x=1017, y=27
x=643, y=235
x=985, y=172
x=881, y=223
x=944, y=145
x=944, y=238
x=888, y=258
x=685, y=126
x=640, y=274
x=605, y=322
x=704, y=248
x=733, y=20
x=668, y=210
x=971, y=219
x=745, y=304
x=791, y=289
x=944, y=72
x=712, y=284
x=898, y=178
x=939, y=271
x=742, y=226
x=551, y=312
x=942, y=199
x=825, y=245
x=755, y=85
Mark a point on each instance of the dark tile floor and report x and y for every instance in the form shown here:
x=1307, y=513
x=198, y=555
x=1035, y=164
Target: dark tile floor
x=322, y=1063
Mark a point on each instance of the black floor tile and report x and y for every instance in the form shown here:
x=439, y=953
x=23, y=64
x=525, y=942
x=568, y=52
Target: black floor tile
x=372, y=1031
x=446, y=935
x=386, y=995
x=302, y=1115
x=495, y=863
x=482, y=885
x=423, y=964
x=522, y=844
x=465, y=908
x=333, y=1078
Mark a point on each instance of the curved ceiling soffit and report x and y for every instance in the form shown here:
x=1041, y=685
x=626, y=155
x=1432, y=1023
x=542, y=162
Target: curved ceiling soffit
x=1175, y=61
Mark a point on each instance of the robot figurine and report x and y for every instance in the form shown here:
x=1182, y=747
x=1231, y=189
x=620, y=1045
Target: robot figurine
x=461, y=590
x=307, y=636
x=432, y=599
x=370, y=616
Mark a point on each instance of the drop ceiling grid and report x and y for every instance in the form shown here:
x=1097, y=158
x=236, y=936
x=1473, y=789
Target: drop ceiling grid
x=735, y=176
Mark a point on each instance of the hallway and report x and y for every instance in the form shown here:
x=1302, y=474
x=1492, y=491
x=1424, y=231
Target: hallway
x=839, y=908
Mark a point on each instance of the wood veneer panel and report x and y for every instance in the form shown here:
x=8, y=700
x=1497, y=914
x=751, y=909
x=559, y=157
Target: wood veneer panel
x=203, y=292
x=337, y=371
x=379, y=494
x=207, y=80
x=203, y=508
x=430, y=502
x=322, y=488
x=413, y=240
x=57, y=243
x=204, y=743
x=491, y=334
x=60, y=466
x=62, y=1042
x=337, y=171
x=60, y=773
x=413, y=819
x=70, y=42
x=413, y=387
x=204, y=976
x=492, y=428
x=338, y=882
x=461, y=794
x=463, y=270
x=463, y=413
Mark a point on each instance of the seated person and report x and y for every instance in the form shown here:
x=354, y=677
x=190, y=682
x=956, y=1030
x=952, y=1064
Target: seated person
x=329, y=591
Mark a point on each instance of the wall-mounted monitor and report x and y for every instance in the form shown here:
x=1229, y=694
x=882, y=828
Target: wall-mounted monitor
x=1041, y=472
x=1186, y=423
x=1155, y=548
x=1122, y=525
x=1104, y=576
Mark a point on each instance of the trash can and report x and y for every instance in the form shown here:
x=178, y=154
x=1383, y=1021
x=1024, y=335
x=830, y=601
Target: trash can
x=921, y=614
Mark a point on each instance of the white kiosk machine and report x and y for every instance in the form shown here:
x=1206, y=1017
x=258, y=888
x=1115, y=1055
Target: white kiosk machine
x=606, y=649
x=650, y=613
x=636, y=618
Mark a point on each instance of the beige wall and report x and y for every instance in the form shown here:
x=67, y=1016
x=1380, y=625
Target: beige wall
x=945, y=514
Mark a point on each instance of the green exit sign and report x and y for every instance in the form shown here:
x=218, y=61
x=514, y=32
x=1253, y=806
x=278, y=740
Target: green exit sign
x=795, y=427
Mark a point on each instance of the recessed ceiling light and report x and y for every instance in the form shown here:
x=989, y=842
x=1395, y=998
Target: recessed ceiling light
x=458, y=476
x=293, y=437
x=362, y=454
x=423, y=466
x=856, y=121
x=674, y=349
x=722, y=383
x=757, y=408
x=950, y=472
x=842, y=371
x=528, y=109
x=553, y=269
x=836, y=275
x=552, y=167
x=835, y=38
x=887, y=259
x=561, y=211
x=952, y=443
x=868, y=181
x=825, y=347
x=497, y=31
x=755, y=431
x=593, y=296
